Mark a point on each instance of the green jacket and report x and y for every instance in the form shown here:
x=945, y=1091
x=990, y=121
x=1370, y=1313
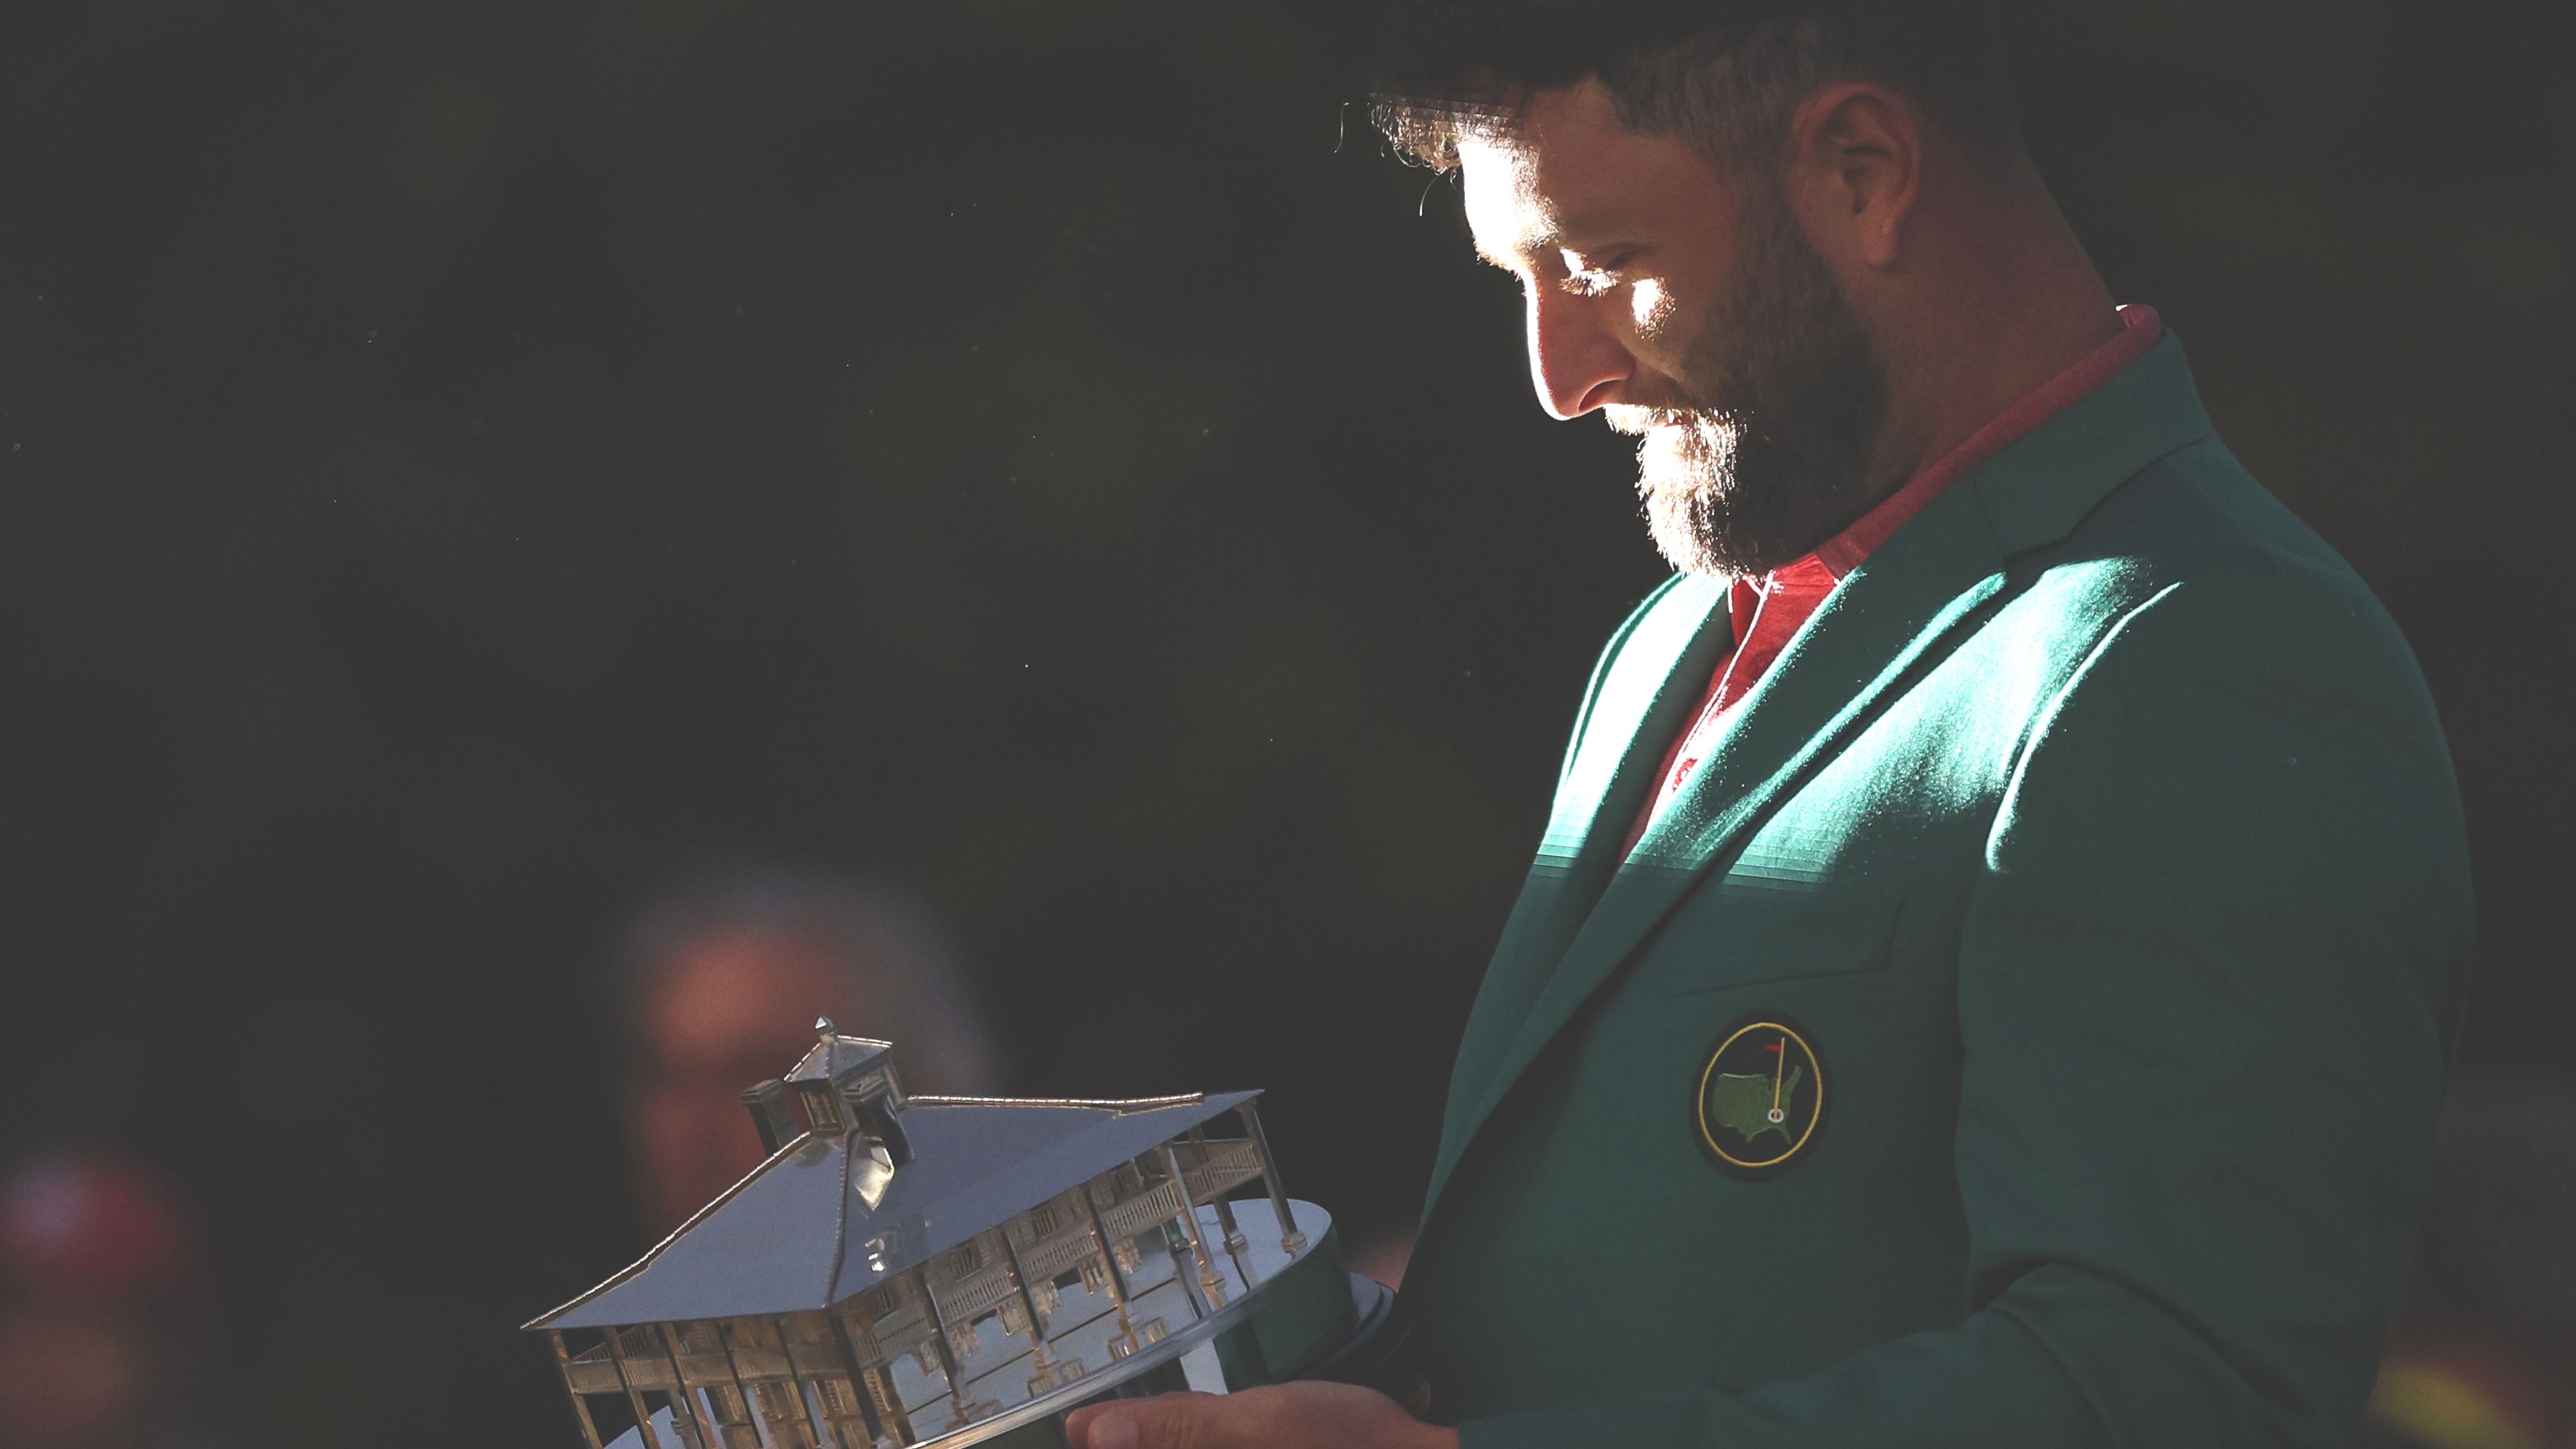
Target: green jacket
x=2097, y=845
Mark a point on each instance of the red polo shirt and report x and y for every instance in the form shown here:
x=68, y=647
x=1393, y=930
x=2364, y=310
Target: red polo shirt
x=1766, y=613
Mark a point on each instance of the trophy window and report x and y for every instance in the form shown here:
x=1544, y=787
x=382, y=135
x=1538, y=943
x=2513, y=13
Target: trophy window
x=820, y=1105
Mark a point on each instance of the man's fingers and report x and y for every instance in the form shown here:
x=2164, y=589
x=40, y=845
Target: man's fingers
x=1288, y=1416
x=1109, y=1427
x=1170, y=1421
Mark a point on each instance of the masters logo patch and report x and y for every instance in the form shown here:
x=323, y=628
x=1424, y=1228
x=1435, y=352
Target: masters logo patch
x=1761, y=1098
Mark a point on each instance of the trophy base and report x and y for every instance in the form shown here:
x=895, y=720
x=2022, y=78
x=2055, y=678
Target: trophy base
x=1308, y=1318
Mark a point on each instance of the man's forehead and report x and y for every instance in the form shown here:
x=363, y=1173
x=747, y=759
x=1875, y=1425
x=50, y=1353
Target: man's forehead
x=1566, y=169
x=1508, y=211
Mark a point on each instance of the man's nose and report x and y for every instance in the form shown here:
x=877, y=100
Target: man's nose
x=1576, y=362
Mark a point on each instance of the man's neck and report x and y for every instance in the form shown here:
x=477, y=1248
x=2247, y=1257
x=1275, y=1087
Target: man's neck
x=2018, y=303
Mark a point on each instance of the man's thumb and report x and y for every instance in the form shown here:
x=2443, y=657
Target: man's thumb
x=1114, y=1427
x=1165, y=1422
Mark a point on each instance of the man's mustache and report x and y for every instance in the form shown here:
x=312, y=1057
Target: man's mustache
x=1637, y=421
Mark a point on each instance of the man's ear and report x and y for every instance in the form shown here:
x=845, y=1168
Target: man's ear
x=1854, y=166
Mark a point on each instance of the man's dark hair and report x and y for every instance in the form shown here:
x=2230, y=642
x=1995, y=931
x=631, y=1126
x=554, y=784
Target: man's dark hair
x=1724, y=75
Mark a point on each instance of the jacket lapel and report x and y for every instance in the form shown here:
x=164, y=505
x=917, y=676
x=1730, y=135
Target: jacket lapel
x=1935, y=575
x=1649, y=681
x=1867, y=635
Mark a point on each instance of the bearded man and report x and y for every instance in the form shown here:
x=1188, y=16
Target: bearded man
x=1986, y=977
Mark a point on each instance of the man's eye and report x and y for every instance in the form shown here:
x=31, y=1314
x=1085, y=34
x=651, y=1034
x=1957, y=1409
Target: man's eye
x=1585, y=277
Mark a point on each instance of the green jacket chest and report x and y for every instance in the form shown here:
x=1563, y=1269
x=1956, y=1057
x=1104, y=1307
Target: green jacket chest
x=1838, y=912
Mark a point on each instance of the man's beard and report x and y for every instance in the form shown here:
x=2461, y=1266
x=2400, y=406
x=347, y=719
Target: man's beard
x=1768, y=455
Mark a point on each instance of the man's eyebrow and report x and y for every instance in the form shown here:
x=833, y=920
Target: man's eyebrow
x=1536, y=242
x=1576, y=233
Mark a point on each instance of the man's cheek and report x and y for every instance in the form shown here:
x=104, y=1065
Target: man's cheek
x=1650, y=309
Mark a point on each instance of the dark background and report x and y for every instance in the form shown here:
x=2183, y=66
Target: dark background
x=460, y=462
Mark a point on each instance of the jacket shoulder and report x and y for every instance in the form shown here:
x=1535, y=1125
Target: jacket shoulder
x=2197, y=526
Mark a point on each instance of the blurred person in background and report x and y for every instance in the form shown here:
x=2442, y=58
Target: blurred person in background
x=2484, y=1354
x=105, y=1314
x=723, y=977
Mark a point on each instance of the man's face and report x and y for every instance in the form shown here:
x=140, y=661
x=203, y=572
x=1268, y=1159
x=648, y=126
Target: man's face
x=1685, y=304
x=721, y=1011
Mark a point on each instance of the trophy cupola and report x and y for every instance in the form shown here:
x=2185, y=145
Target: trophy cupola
x=845, y=1084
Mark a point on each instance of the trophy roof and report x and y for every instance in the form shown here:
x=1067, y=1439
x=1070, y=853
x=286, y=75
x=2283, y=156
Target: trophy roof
x=800, y=1234
x=836, y=1054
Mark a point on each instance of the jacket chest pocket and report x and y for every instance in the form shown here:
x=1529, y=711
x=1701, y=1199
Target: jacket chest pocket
x=1736, y=932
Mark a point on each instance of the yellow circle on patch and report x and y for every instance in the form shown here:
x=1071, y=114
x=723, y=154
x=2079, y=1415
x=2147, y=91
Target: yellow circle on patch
x=1761, y=1098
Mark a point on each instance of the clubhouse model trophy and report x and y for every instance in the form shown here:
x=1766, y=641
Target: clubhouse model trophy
x=946, y=1271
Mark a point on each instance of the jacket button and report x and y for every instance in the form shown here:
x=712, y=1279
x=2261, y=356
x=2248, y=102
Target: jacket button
x=1413, y=1391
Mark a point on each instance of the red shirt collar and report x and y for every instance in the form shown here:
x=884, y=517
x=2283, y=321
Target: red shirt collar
x=1843, y=552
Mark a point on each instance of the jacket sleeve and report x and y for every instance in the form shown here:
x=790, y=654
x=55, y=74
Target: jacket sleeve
x=2203, y=987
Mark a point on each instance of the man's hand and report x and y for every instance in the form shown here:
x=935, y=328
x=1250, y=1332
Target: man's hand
x=1291, y=1416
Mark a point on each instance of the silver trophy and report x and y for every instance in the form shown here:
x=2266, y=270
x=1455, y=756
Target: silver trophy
x=946, y=1271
